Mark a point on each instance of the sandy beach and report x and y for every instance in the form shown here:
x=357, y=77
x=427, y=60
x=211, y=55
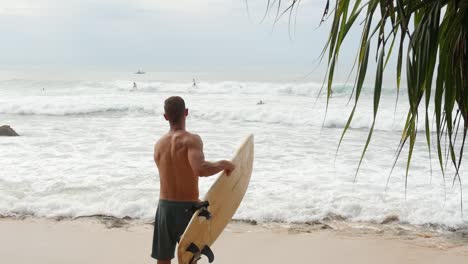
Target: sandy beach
x=94, y=240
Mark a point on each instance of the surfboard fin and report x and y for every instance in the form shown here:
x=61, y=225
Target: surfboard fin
x=203, y=207
x=205, y=213
x=208, y=253
x=192, y=248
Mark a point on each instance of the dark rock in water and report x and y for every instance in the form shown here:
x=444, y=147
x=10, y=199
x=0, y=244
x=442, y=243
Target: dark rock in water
x=7, y=131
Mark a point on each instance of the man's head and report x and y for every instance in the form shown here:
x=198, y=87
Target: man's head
x=174, y=109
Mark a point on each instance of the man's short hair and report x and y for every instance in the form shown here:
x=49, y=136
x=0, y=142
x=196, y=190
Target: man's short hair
x=174, y=108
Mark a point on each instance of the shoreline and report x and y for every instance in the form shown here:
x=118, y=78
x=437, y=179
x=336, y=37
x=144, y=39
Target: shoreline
x=391, y=226
x=101, y=240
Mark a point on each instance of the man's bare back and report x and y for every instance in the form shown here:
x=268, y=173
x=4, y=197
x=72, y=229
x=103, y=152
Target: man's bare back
x=180, y=161
x=178, y=181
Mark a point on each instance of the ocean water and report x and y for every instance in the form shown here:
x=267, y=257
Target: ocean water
x=86, y=148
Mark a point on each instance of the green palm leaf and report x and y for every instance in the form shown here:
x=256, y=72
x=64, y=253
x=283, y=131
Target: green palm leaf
x=433, y=39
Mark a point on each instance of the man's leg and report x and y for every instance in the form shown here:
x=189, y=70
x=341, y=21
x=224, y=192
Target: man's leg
x=163, y=245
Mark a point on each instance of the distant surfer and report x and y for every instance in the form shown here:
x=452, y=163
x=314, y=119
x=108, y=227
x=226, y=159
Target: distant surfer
x=260, y=102
x=179, y=157
x=194, y=83
x=134, y=87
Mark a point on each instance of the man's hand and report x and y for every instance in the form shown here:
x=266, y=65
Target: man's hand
x=228, y=167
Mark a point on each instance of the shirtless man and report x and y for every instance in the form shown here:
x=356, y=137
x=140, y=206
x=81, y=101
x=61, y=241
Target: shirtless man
x=180, y=160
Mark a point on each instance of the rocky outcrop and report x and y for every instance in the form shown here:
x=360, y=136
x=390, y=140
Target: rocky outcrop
x=7, y=131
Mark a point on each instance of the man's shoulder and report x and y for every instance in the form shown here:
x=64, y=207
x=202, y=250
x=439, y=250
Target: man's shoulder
x=158, y=143
x=193, y=139
x=185, y=138
x=164, y=139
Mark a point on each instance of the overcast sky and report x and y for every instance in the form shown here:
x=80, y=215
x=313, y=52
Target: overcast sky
x=161, y=35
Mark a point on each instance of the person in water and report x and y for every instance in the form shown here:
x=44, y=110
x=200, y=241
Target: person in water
x=179, y=157
x=194, y=83
x=134, y=86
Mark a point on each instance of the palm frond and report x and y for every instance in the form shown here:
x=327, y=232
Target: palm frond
x=432, y=37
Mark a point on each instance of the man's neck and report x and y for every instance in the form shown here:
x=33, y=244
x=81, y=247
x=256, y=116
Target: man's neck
x=176, y=127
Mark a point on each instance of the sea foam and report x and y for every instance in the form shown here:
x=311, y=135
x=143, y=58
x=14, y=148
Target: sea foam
x=86, y=149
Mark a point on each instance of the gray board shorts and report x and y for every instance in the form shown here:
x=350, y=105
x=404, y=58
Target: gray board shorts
x=172, y=217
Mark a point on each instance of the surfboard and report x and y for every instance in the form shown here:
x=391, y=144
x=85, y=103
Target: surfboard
x=218, y=206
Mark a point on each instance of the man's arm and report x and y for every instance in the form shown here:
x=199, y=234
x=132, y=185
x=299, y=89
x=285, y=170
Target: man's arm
x=200, y=166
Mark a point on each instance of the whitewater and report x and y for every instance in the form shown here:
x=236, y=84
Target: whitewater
x=86, y=148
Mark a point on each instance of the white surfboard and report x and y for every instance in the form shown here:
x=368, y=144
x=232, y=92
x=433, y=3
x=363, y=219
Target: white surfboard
x=223, y=198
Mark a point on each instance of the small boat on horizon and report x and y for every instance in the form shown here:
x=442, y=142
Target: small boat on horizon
x=140, y=72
